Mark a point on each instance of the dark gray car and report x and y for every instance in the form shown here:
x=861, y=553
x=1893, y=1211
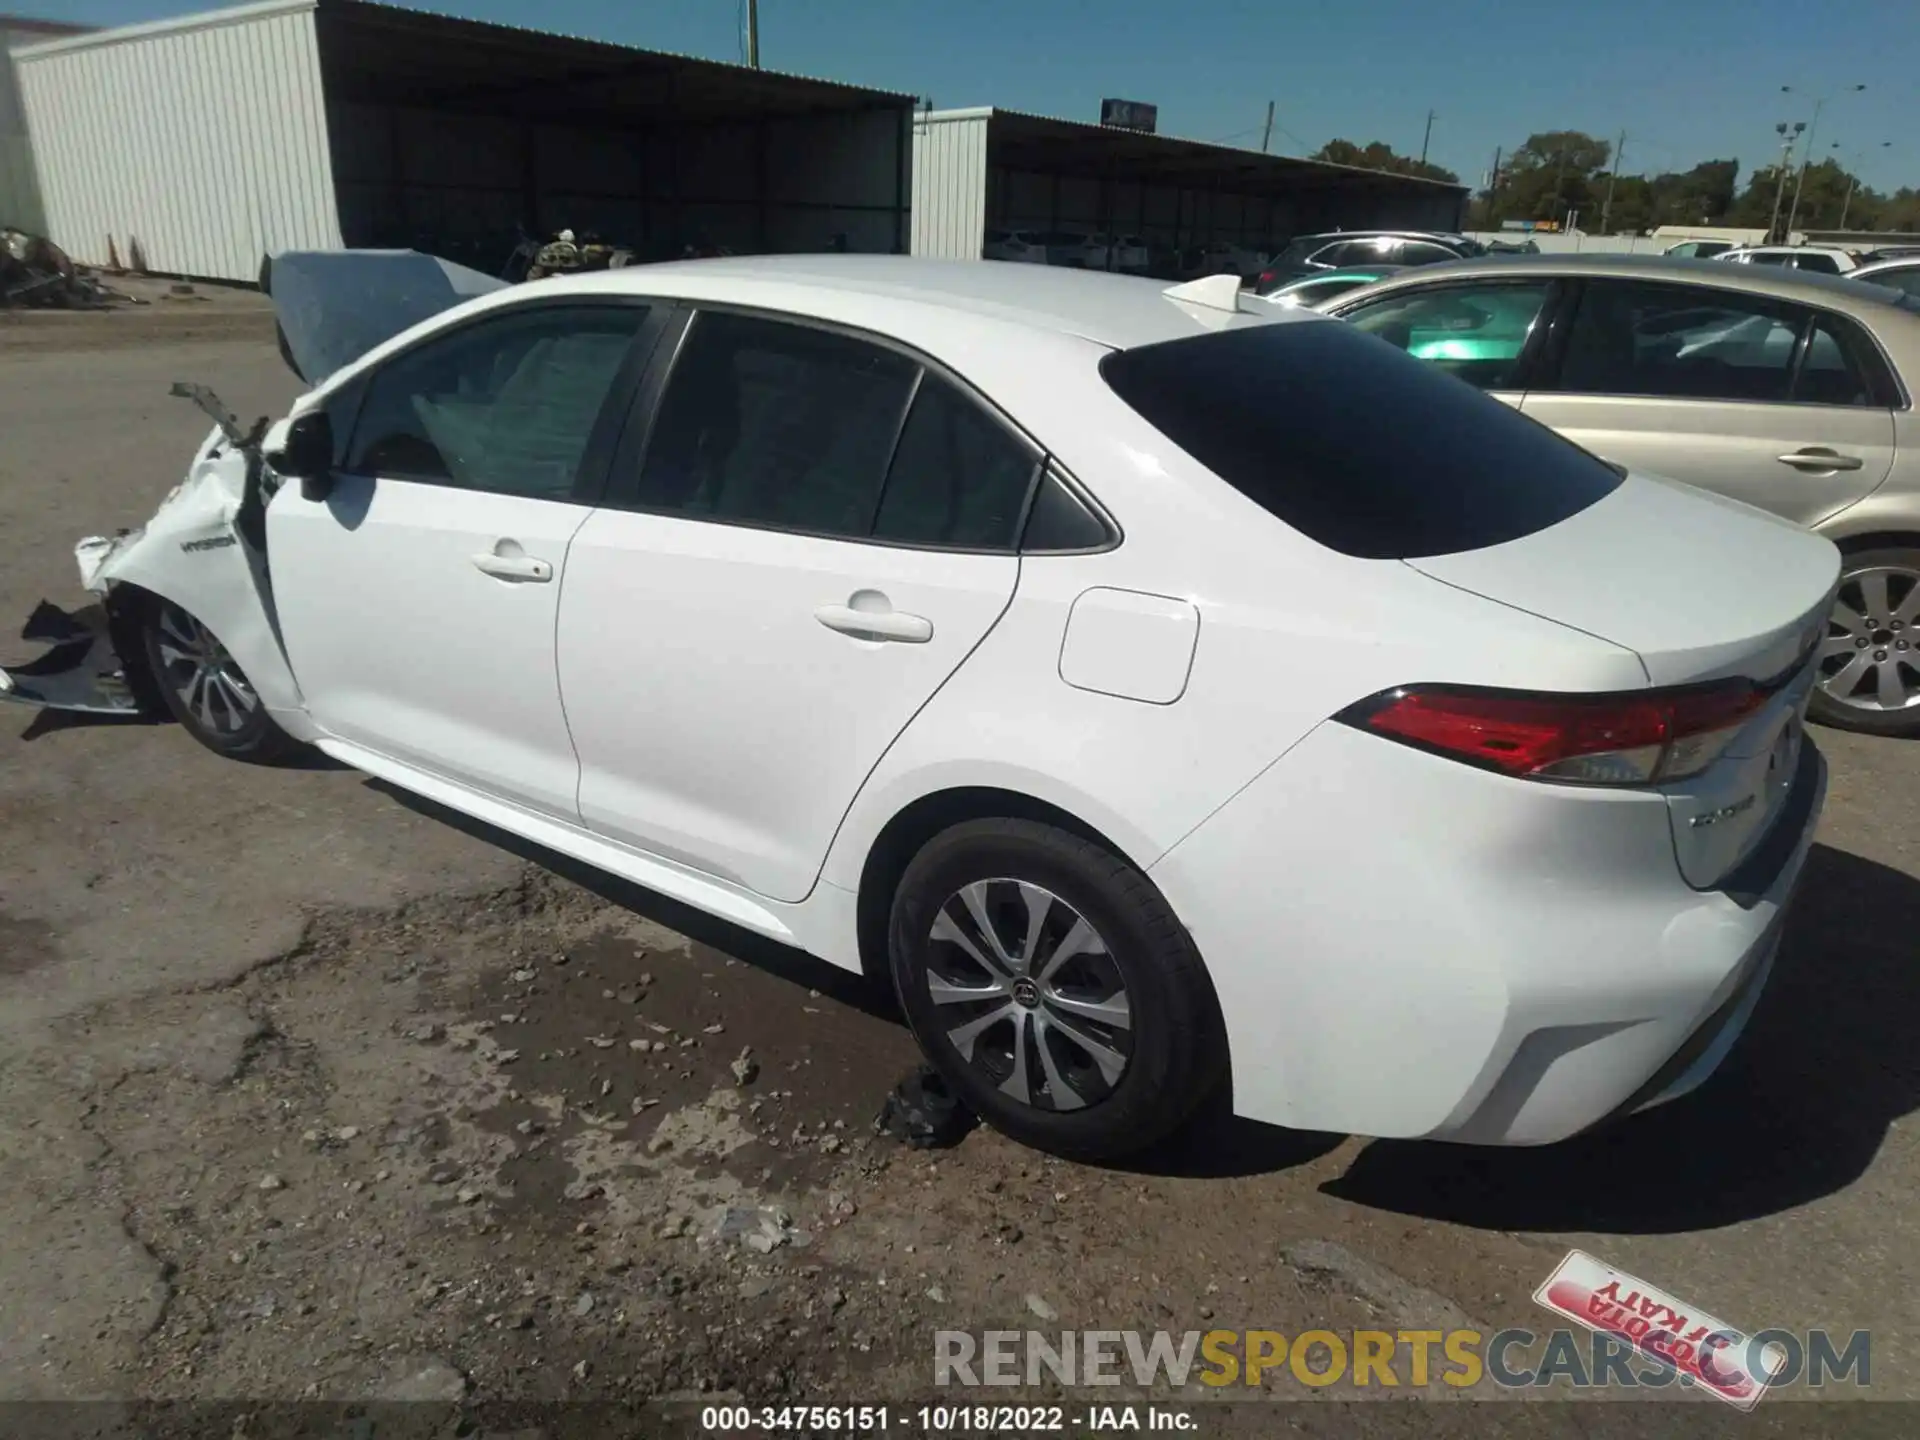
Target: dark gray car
x=1790, y=391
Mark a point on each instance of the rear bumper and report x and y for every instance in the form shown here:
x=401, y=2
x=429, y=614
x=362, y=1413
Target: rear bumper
x=1420, y=949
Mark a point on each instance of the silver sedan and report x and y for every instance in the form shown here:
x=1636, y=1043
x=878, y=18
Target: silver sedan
x=1792, y=392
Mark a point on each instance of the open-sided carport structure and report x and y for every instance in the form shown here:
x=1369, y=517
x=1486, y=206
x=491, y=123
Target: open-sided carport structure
x=980, y=170
x=201, y=143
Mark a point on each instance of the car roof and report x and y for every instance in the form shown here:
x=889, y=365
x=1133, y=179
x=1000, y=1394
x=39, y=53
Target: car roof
x=903, y=296
x=1371, y=234
x=1892, y=262
x=1843, y=291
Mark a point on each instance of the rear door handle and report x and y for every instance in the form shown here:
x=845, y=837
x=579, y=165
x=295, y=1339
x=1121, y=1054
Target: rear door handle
x=876, y=624
x=1818, y=457
x=513, y=567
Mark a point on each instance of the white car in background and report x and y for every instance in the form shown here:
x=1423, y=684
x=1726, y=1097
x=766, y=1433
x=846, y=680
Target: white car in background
x=992, y=630
x=1815, y=259
x=1020, y=246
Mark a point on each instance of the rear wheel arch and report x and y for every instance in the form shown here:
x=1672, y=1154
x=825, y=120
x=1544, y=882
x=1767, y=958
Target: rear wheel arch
x=903, y=837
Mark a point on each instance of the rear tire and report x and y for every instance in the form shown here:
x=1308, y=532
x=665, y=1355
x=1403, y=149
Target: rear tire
x=1078, y=1018
x=206, y=691
x=1871, y=681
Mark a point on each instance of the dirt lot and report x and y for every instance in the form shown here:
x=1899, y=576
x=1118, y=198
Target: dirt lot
x=308, y=1091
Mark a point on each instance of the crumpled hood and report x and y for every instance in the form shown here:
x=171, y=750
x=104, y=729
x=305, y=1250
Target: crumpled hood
x=333, y=306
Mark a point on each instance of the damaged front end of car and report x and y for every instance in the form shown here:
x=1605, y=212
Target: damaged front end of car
x=93, y=662
x=205, y=550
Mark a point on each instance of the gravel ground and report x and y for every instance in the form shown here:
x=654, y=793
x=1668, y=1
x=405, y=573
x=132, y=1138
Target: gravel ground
x=312, y=1092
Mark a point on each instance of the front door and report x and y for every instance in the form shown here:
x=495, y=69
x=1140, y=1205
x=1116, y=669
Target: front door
x=418, y=599
x=1773, y=403
x=818, y=536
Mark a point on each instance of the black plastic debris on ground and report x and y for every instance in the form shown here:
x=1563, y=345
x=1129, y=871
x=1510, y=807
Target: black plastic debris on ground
x=36, y=272
x=922, y=1112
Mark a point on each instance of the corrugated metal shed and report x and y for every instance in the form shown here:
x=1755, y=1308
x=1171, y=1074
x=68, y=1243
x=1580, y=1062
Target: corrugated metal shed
x=20, y=204
x=196, y=145
x=193, y=145
x=981, y=170
x=950, y=183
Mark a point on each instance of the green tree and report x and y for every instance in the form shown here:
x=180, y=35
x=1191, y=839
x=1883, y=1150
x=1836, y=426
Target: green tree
x=1898, y=211
x=1551, y=176
x=1375, y=155
x=1700, y=196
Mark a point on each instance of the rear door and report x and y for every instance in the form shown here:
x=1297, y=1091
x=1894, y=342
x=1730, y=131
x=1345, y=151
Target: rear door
x=804, y=538
x=1777, y=404
x=1486, y=332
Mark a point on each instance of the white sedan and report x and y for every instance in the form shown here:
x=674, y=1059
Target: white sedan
x=1078, y=654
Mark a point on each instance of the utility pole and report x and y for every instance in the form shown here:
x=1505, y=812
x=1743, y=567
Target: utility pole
x=753, y=33
x=1613, y=174
x=1852, y=179
x=1266, y=135
x=1426, y=138
x=1789, y=134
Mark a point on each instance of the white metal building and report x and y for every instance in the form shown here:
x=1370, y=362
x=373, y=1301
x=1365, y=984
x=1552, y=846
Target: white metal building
x=20, y=205
x=981, y=170
x=194, y=146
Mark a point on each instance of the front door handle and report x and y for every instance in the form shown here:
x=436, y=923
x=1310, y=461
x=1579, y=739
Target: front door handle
x=513, y=567
x=876, y=624
x=1819, y=458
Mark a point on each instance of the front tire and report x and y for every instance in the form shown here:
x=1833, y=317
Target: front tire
x=1870, y=661
x=206, y=691
x=1054, y=989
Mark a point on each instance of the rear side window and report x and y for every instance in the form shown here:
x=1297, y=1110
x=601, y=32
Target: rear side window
x=1354, y=444
x=1817, y=261
x=1678, y=342
x=788, y=427
x=959, y=477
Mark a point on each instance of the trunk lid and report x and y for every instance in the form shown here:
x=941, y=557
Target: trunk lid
x=1701, y=588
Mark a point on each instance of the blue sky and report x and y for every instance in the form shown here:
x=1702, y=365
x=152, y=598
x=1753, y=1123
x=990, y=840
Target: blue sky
x=1686, y=79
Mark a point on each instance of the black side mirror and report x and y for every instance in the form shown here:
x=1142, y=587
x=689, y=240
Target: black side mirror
x=306, y=454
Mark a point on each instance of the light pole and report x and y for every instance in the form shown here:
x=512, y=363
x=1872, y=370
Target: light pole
x=1788, y=135
x=1813, y=128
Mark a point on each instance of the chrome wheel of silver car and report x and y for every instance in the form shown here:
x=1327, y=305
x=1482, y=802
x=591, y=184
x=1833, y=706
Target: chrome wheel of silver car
x=1871, y=658
x=196, y=667
x=1029, y=995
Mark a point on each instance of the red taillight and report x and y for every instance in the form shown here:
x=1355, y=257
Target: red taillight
x=1626, y=739
x=1266, y=277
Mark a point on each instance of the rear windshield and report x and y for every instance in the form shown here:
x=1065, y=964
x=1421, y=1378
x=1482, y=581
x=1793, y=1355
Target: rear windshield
x=1353, y=443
